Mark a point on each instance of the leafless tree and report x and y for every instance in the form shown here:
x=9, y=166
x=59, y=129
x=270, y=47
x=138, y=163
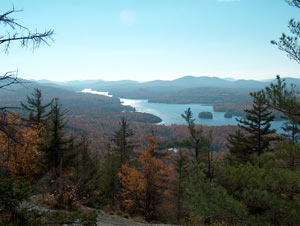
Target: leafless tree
x=15, y=32
x=295, y=3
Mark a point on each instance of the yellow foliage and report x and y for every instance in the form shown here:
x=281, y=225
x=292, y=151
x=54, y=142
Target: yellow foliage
x=21, y=157
x=143, y=186
x=133, y=187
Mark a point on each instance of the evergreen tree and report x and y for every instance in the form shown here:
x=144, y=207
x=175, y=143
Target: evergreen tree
x=255, y=134
x=12, y=194
x=278, y=96
x=290, y=43
x=109, y=180
x=197, y=141
x=209, y=202
x=123, y=141
x=37, y=110
x=257, y=124
x=87, y=172
x=285, y=100
x=117, y=156
x=181, y=164
x=58, y=149
x=257, y=194
x=269, y=193
x=238, y=146
x=291, y=128
x=196, y=138
x=282, y=98
x=288, y=155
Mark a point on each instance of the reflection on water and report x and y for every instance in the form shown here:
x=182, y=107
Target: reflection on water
x=132, y=102
x=95, y=92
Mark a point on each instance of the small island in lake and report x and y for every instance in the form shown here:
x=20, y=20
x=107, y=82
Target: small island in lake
x=205, y=115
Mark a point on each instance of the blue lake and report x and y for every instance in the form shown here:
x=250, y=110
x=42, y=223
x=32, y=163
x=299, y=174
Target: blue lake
x=171, y=113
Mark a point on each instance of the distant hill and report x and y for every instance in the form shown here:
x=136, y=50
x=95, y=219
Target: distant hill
x=187, y=89
x=77, y=103
x=223, y=94
x=71, y=100
x=183, y=82
x=203, y=81
x=78, y=85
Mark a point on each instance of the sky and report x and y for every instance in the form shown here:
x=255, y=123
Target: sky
x=145, y=40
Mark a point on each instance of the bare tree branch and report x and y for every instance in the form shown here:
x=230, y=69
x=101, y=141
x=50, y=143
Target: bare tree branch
x=34, y=38
x=9, y=79
x=295, y=3
x=24, y=36
x=16, y=32
x=10, y=21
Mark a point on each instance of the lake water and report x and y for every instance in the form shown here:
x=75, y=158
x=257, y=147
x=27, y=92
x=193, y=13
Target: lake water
x=95, y=92
x=171, y=113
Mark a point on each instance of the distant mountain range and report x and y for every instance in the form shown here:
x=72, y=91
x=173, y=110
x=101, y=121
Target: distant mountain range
x=183, y=82
x=225, y=94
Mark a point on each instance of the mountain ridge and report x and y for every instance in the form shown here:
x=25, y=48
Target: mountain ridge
x=188, y=81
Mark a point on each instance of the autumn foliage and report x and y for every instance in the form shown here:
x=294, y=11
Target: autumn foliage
x=143, y=185
x=20, y=158
x=133, y=188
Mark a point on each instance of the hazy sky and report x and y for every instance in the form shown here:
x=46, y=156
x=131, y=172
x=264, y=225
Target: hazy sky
x=152, y=39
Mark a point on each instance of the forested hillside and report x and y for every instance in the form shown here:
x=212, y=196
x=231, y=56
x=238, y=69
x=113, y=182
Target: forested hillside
x=132, y=167
x=78, y=104
x=226, y=96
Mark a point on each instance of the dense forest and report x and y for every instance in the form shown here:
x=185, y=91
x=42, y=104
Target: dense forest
x=67, y=156
x=255, y=182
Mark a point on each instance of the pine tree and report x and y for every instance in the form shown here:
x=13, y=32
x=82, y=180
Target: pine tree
x=87, y=173
x=286, y=101
x=239, y=147
x=254, y=134
x=181, y=164
x=37, y=110
x=109, y=179
x=123, y=141
x=58, y=149
x=278, y=95
x=291, y=128
x=257, y=124
x=197, y=141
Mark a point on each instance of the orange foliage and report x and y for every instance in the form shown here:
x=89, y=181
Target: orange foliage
x=142, y=187
x=20, y=158
x=100, y=129
x=133, y=188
